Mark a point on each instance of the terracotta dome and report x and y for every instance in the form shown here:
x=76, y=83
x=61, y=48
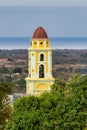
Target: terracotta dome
x=40, y=33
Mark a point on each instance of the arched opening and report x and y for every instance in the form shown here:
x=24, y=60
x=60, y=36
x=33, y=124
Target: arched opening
x=41, y=45
x=41, y=57
x=41, y=42
x=35, y=44
x=40, y=88
x=41, y=71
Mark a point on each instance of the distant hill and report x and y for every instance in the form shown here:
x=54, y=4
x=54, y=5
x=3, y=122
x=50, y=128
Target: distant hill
x=69, y=56
x=65, y=62
x=59, y=56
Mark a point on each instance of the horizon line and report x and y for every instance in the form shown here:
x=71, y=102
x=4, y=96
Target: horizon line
x=48, y=37
x=52, y=49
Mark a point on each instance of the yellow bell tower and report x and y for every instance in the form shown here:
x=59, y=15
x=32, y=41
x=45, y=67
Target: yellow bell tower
x=39, y=64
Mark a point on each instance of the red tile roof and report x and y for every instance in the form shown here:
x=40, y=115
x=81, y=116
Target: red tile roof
x=40, y=33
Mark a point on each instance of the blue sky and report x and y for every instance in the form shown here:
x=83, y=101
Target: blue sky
x=60, y=18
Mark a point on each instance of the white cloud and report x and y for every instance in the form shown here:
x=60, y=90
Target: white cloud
x=43, y=2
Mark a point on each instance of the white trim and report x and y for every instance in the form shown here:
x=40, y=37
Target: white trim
x=33, y=57
x=31, y=88
x=49, y=63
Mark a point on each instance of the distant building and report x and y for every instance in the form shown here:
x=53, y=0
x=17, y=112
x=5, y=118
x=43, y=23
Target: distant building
x=15, y=96
x=39, y=64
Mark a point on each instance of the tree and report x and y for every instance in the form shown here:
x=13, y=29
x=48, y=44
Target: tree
x=77, y=94
x=17, y=70
x=5, y=108
x=25, y=114
x=20, y=85
x=4, y=70
x=63, y=108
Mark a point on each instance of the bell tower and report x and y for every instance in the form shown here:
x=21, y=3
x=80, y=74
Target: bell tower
x=39, y=64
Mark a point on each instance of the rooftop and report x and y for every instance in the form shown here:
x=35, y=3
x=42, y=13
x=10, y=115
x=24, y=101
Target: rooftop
x=40, y=33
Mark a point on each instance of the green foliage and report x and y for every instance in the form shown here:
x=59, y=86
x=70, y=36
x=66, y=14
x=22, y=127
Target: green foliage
x=1, y=80
x=58, y=84
x=17, y=70
x=25, y=114
x=4, y=70
x=63, y=72
x=20, y=85
x=64, y=108
x=5, y=108
x=77, y=89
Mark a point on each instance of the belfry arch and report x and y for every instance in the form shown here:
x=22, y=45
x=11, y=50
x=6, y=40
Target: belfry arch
x=41, y=57
x=41, y=71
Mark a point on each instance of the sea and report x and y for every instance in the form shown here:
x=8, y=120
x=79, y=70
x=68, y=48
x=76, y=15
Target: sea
x=55, y=42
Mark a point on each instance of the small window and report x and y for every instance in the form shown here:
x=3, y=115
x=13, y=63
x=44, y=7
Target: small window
x=41, y=57
x=47, y=44
x=35, y=44
x=41, y=43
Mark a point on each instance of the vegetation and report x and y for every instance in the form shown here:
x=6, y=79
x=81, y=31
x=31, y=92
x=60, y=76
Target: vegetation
x=5, y=108
x=15, y=76
x=64, y=108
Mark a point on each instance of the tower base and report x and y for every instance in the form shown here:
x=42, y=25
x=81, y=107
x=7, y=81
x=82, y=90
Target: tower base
x=36, y=86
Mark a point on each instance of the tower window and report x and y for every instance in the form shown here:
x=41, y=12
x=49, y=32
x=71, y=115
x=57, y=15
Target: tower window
x=35, y=44
x=41, y=43
x=41, y=57
x=41, y=71
x=47, y=44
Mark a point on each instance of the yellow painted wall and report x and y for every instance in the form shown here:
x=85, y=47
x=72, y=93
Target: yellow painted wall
x=34, y=44
x=37, y=55
x=38, y=83
x=47, y=44
x=42, y=87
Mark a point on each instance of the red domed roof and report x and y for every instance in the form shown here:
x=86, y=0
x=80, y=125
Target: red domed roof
x=40, y=33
